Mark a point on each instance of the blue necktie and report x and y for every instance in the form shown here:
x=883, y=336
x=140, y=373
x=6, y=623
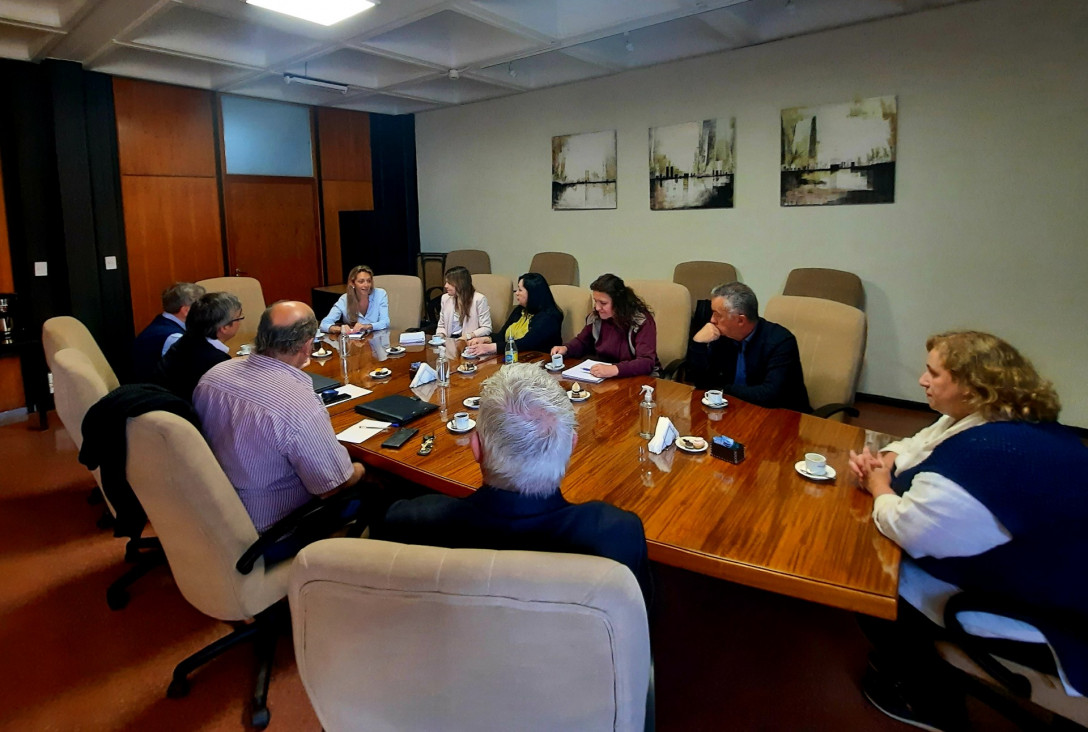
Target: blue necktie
x=741, y=376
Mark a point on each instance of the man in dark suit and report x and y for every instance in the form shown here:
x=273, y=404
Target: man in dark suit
x=164, y=330
x=213, y=320
x=756, y=360
x=525, y=434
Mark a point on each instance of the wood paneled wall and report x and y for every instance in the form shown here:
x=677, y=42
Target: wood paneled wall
x=346, y=177
x=166, y=145
x=11, y=378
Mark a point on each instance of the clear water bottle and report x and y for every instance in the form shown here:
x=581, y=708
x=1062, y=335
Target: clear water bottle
x=342, y=342
x=647, y=418
x=443, y=367
x=511, y=350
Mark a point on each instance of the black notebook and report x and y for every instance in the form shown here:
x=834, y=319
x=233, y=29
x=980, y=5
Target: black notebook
x=321, y=383
x=396, y=408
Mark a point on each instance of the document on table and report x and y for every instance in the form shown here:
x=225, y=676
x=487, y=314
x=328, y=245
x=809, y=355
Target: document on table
x=362, y=431
x=581, y=371
x=416, y=338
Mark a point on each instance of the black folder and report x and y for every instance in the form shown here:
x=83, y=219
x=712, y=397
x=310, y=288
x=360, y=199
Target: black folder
x=396, y=408
x=321, y=383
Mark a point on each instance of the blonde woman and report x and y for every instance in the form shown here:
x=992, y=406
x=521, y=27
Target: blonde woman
x=465, y=313
x=363, y=307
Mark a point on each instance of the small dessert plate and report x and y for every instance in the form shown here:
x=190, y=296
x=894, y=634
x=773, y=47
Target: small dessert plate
x=800, y=468
x=457, y=430
x=395, y=350
x=472, y=402
x=691, y=443
x=321, y=353
x=553, y=367
x=466, y=354
x=466, y=368
x=578, y=396
x=380, y=373
x=721, y=405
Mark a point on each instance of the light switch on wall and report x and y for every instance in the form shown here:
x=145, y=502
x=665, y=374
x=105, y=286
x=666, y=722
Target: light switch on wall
x=41, y=269
x=111, y=262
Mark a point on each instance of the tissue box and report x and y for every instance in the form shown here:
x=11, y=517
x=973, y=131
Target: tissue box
x=727, y=449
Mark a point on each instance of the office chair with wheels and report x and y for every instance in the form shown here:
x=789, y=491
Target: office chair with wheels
x=499, y=291
x=64, y=331
x=558, y=268
x=828, y=284
x=576, y=304
x=476, y=261
x=671, y=304
x=405, y=299
x=391, y=636
x=249, y=293
x=700, y=277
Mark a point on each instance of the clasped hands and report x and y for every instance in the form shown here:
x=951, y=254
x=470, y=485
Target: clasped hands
x=873, y=471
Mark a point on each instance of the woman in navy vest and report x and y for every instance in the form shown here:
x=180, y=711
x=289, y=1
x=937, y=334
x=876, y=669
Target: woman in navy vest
x=990, y=500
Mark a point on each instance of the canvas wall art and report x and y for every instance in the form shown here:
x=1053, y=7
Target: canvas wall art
x=584, y=171
x=839, y=153
x=692, y=165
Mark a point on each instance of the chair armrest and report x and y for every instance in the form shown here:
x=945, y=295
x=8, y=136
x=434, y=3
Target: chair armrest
x=675, y=371
x=828, y=409
x=968, y=602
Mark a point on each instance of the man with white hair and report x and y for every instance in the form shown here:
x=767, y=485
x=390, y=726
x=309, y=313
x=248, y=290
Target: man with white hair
x=525, y=434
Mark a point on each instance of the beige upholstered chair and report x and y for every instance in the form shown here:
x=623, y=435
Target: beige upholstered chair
x=405, y=299
x=499, y=291
x=576, y=304
x=390, y=636
x=248, y=291
x=204, y=530
x=831, y=337
x=64, y=331
x=558, y=268
x=701, y=277
x=829, y=284
x=671, y=304
x=476, y=261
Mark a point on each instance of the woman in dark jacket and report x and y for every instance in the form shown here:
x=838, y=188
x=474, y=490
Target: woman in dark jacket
x=536, y=323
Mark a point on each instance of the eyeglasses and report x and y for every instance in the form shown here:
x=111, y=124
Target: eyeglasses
x=235, y=320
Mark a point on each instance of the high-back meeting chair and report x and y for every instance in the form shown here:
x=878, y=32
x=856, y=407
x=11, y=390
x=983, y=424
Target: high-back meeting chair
x=476, y=261
x=831, y=338
x=671, y=305
x=64, y=331
x=499, y=291
x=558, y=268
x=389, y=636
x=700, y=277
x=829, y=284
x=248, y=291
x=204, y=530
x=405, y=299
x=576, y=304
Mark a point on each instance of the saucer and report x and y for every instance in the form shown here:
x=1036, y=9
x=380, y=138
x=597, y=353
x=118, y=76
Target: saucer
x=462, y=370
x=724, y=403
x=466, y=354
x=437, y=341
x=574, y=398
x=472, y=402
x=681, y=443
x=395, y=350
x=800, y=468
x=553, y=367
x=450, y=426
x=380, y=373
x=323, y=353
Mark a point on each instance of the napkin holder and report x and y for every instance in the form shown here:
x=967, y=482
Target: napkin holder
x=727, y=449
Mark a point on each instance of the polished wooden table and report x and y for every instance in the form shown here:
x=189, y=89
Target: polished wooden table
x=758, y=523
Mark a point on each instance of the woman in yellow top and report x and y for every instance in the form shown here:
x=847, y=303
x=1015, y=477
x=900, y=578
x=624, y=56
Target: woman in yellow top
x=536, y=323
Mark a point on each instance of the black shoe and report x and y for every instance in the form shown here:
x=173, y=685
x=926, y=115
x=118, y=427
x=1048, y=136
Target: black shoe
x=895, y=699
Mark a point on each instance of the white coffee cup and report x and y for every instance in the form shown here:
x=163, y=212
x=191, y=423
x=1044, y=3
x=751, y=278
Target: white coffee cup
x=557, y=360
x=461, y=421
x=815, y=463
x=245, y=349
x=714, y=396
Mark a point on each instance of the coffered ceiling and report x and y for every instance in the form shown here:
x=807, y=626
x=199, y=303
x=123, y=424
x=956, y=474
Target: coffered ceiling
x=405, y=56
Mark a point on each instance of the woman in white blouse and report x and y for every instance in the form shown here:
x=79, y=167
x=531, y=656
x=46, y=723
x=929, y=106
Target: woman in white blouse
x=465, y=313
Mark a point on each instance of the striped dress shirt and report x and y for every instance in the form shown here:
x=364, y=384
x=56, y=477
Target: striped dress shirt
x=271, y=434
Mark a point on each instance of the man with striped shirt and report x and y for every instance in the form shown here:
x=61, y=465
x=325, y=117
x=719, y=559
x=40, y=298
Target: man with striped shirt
x=269, y=430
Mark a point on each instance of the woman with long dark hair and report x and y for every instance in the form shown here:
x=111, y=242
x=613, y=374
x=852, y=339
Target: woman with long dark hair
x=465, y=313
x=620, y=330
x=536, y=323
x=362, y=307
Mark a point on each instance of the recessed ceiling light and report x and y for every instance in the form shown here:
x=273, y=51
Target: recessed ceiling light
x=325, y=12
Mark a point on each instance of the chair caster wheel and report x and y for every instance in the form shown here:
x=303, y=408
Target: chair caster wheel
x=261, y=717
x=178, y=688
x=116, y=599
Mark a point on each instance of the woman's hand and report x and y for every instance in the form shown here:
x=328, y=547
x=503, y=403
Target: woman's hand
x=479, y=340
x=480, y=349
x=361, y=327
x=562, y=350
x=602, y=370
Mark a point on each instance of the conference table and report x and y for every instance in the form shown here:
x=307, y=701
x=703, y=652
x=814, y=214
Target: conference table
x=758, y=523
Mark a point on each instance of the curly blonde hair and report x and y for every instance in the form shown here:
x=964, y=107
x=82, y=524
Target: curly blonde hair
x=1003, y=385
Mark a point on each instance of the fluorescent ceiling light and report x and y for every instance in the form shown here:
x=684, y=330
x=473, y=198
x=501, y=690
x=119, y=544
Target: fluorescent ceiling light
x=325, y=12
x=310, y=81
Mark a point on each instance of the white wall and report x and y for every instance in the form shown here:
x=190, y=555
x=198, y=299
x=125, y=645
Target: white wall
x=988, y=229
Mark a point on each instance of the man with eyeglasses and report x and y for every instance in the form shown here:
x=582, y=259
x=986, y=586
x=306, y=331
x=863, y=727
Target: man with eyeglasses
x=213, y=320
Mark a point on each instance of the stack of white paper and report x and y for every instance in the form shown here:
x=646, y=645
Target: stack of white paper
x=581, y=372
x=413, y=339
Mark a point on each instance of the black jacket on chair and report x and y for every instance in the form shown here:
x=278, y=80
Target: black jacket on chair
x=105, y=444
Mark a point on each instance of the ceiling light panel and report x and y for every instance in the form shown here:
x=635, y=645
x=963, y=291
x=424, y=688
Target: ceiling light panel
x=322, y=12
x=196, y=33
x=452, y=40
x=272, y=86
